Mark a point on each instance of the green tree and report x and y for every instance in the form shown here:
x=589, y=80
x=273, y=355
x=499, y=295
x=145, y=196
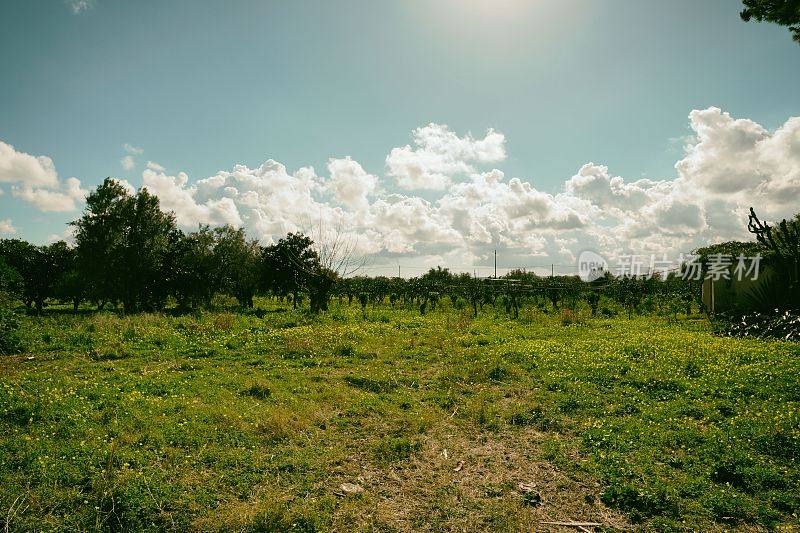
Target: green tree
x=19, y=255
x=194, y=277
x=781, y=245
x=287, y=265
x=40, y=267
x=782, y=12
x=238, y=264
x=123, y=243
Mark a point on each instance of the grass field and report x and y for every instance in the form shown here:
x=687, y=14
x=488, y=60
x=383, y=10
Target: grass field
x=223, y=421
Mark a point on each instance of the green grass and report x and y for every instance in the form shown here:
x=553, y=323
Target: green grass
x=223, y=421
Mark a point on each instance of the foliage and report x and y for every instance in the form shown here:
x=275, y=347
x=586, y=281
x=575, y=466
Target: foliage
x=782, y=252
x=10, y=288
x=39, y=267
x=10, y=283
x=10, y=341
x=783, y=325
x=782, y=12
x=123, y=242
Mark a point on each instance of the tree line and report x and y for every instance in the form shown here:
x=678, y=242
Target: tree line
x=128, y=253
x=131, y=255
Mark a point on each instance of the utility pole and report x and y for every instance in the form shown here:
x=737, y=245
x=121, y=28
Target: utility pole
x=552, y=269
x=398, y=270
x=495, y=264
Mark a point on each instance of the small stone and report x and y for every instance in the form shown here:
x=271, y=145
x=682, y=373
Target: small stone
x=351, y=488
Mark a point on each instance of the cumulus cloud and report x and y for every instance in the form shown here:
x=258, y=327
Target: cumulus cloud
x=728, y=165
x=439, y=155
x=176, y=196
x=65, y=198
x=68, y=236
x=128, y=162
x=350, y=184
x=20, y=167
x=35, y=180
x=6, y=227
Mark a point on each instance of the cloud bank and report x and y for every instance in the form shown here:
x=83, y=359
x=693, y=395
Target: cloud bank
x=35, y=180
x=727, y=166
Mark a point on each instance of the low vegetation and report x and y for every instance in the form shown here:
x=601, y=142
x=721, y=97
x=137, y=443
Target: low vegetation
x=273, y=419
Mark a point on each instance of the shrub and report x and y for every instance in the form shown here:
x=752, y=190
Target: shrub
x=344, y=350
x=258, y=390
x=370, y=385
x=396, y=448
x=777, y=325
x=10, y=342
x=570, y=317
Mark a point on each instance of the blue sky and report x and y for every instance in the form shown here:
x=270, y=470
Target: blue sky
x=201, y=86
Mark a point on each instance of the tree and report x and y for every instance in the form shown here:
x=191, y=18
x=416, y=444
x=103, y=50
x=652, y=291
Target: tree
x=781, y=245
x=10, y=284
x=238, y=263
x=40, y=268
x=10, y=288
x=123, y=242
x=336, y=259
x=19, y=255
x=782, y=12
x=50, y=265
x=472, y=290
x=287, y=264
x=97, y=237
x=192, y=268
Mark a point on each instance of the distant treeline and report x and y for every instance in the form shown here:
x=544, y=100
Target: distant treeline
x=128, y=253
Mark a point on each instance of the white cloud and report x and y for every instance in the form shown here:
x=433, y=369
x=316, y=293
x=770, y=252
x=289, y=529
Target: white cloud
x=20, y=167
x=128, y=161
x=131, y=149
x=439, y=155
x=349, y=183
x=6, y=227
x=68, y=236
x=479, y=212
x=66, y=198
x=728, y=165
x=177, y=197
x=79, y=6
x=35, y=180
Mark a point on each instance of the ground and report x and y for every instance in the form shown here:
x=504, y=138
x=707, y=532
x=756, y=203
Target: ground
x=273, y=420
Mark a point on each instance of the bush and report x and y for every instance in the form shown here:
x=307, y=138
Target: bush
x=570, y=317
x=777, y=325
x=259, y=391
x=10, y=342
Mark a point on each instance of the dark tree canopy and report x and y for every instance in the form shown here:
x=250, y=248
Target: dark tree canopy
x=123, y=244
x=783, y=12
x=287, y=265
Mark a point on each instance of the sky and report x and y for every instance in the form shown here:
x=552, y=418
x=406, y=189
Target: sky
x=432, y=132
